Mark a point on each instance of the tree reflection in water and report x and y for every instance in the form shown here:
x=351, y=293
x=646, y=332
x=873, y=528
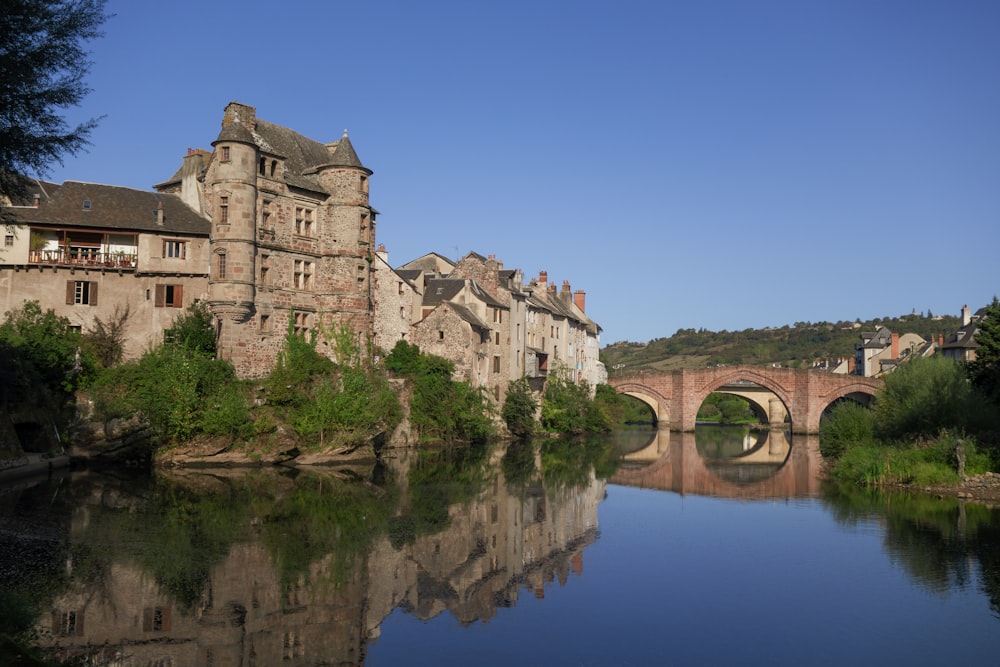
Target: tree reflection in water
x=273, y=564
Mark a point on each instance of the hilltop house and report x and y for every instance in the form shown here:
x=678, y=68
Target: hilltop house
x=961, y=345
x=880, y=351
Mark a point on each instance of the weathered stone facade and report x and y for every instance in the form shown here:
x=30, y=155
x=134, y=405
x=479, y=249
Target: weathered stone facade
x=291, y=242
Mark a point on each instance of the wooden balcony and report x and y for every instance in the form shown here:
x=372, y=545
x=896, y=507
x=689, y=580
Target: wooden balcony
x=84, y=257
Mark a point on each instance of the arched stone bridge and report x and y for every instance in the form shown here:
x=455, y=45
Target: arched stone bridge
x=676, y=396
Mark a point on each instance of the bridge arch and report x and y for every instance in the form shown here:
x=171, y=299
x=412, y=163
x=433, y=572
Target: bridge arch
x=746, y=374
x=659, y=404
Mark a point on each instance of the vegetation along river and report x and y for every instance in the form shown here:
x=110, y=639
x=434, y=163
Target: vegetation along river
x=642, y=548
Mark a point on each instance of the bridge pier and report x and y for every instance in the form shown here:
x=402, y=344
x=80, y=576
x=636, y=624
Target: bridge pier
x=776, y=413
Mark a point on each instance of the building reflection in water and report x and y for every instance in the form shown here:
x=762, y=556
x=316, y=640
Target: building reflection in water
x=253, y=606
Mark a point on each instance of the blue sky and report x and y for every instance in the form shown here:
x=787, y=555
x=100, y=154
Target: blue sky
x=716, y=163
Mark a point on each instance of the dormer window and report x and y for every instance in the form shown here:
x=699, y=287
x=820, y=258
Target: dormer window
x=86, y=204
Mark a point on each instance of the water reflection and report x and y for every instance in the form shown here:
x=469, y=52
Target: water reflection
x=265, y=566
x=941, y=543
x=732, y=462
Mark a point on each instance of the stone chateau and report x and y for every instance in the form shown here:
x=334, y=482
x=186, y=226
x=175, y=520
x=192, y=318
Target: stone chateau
x=274, y=230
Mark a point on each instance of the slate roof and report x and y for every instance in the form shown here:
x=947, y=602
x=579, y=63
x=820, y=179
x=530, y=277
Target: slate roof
x=466, y=314
x=111, y=207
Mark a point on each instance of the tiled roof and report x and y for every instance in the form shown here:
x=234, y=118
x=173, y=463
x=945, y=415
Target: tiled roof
x=111, y=207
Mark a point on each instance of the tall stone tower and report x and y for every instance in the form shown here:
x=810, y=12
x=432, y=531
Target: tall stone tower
x=292, y=240
x=231, y=199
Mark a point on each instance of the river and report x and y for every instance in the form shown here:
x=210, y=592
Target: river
x=643, y=548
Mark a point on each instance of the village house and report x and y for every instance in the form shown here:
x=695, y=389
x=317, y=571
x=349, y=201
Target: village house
x=94, y=252
x=494, y=328
x=881, y=351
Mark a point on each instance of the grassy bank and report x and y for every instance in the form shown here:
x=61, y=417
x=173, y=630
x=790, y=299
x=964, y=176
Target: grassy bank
x=928, y=427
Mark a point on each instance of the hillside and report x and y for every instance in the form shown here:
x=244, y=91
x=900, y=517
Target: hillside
x=800, y=346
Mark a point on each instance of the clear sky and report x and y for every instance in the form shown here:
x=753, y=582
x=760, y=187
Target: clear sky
x=708, y=163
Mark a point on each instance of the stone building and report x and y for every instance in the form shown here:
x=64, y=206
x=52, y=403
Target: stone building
x=89, y=252
x=492, y=326
x=292, y=237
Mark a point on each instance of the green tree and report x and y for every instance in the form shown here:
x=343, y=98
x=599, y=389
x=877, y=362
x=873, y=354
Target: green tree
x=519, y=408
x=106, y=338
x=985, y=370
x=43, y=63
x=48, y=345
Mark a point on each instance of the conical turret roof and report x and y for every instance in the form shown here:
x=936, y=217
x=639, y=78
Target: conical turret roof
x=344, y=155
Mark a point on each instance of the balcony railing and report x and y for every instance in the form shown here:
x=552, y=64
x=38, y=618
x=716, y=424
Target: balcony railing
x=84, y=257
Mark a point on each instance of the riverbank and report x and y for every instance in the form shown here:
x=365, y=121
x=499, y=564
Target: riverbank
x=983, y=488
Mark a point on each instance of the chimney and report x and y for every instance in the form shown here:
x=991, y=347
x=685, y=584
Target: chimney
x=382, y=252
x=566, y=294
x=580, y=299
x=850, y=365
x=543, y=279
x=895, y=345
x=159, y=213
x=35, y=199
x=940, y=340
x=966, y=315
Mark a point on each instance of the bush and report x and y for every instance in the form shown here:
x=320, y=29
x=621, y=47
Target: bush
x=925, y=396
x=847, y=425
x=568, y=408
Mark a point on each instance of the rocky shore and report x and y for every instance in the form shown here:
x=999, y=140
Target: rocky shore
x=983, y=488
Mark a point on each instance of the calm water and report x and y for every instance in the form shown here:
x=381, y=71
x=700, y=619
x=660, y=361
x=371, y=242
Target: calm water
x=723, y=548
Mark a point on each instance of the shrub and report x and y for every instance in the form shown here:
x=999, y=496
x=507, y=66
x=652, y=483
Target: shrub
x=847, y=425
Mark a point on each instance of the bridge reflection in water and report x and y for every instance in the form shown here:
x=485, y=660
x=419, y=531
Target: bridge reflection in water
x=766, y=464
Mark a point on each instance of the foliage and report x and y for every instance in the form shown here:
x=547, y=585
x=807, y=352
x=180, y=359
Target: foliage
x=519, y=408
x=43, y=63
x=193, y=330
x=357, y=404
x=925, y=396
x=726, y=409
x=568, y=408
x=985, y=370
x=106, y=338
x=404, y=359
x=179, y=391
x=798, y=345
x=297, y=364
x=441, y=409
x=621, y=409
x=930, y=462
x=848, y=424
x=44, y=347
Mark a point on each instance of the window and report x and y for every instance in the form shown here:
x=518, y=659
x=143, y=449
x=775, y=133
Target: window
x=8, y=241
x=304, y=221
x=224, y=154
x=223, y=210
x=399, y=282
x=265, y=214
x=402, y=313
x=440, y=335
x=86, y=204
x=496, y=363
x=302, y=274
x=498, y=316
x=300, y=324
x=265, y=323
x=264, y=266
x=262, y=167
x=81, y=292
x=156, y=619
x=173, y=249
x=169, y=296
x=67, y=623
x=220, y=271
